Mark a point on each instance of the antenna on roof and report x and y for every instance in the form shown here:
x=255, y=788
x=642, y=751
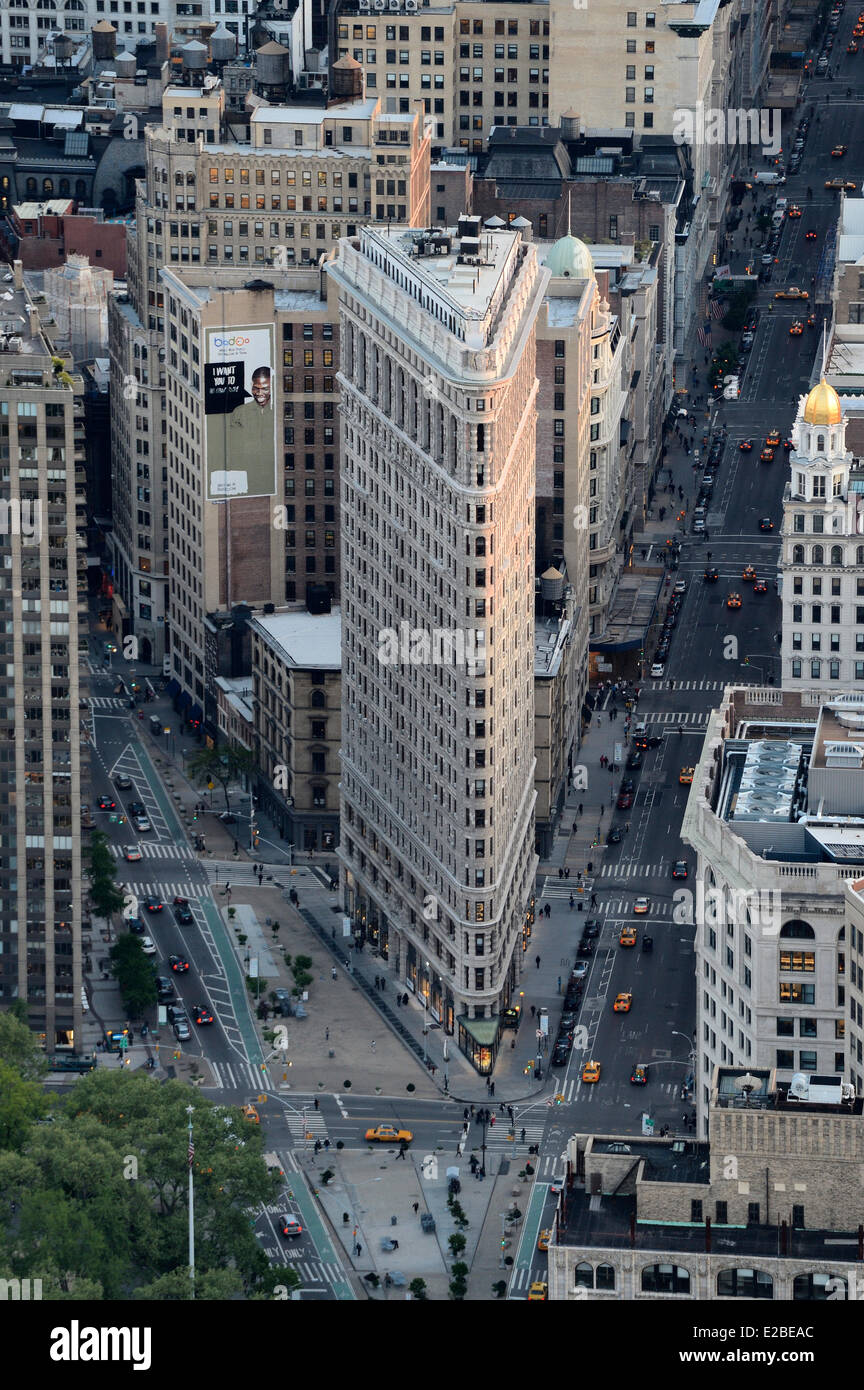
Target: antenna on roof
x=569, y=224
x=824, y=346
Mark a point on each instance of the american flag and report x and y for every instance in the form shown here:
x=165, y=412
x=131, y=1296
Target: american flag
x=191, y=1151
x=704, y=334
x=718, y=308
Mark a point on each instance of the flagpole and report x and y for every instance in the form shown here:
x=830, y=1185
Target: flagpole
x=191, y=1155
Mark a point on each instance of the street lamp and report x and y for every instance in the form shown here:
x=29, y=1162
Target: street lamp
x=168, y=731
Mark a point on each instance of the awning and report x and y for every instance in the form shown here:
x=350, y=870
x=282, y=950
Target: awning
x=185, y=699
x=195, y=712
x=484, y=1031
x=172, y=687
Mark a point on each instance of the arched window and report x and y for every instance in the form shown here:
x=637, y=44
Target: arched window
x=583, y=1277
x=64, y=188
x=665, y=1279
x=744, y=1283
x=820, y=443
x=815, y=1288
x=817, y=555
x=317, y=699
x=48, y=188
x=30, y=188
x=190, y=180
x=836, y=554
x=480, y=545
x=797, y=554
x=796, y=930
x=80, y=188
x=605, y=1278
x=74, y=5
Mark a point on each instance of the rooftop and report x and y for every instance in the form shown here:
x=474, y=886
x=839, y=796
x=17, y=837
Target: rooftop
x=612, y=1223
x=360, y=110
x=306, y=641
x=550, y=639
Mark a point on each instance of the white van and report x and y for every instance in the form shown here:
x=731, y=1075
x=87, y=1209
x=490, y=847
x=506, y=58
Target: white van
x=769, y=176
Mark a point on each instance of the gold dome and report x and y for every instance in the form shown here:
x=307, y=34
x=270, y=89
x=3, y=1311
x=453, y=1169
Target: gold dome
x=822, y=406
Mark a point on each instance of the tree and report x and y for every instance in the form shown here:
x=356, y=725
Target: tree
x=459, y=1282
x=104, y=896
x=223, y=765
x=418, y=1288
x=18, y=1045
x=499, y=1288
x=457, y=1244
x=134, y=975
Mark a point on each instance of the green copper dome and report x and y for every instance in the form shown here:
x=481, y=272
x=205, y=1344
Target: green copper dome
x=570, y=257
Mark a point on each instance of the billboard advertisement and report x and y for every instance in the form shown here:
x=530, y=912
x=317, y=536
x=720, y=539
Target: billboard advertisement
x=240, y=418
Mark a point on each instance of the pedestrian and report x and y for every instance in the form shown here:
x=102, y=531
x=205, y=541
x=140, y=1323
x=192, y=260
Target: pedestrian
x=491, y=1121
x=358, y=1249
x=317, y=1146
x=510, y=1111
x=405, y=999
x=566, y=873
x=593, y=899
x=416, y=1206
x=260, y=879
x=501, y=1108
x=580, y=808
x=471, y=1108
x=383, y=984
x=326, y=1143
x=372, y=1044
x=548, y=911
x=333, y=972
x=537, y=961
x=522, y=1136
x=377, y=982
x=326, y=1034
x=560, y=873
x=317, y=1104
x=602, y=809
x=492, y=1083
x=402, y=1151
x=395, y=1244
x=572, y=902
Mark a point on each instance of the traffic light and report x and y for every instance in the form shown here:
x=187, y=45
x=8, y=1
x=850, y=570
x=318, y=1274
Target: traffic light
x=746, y=661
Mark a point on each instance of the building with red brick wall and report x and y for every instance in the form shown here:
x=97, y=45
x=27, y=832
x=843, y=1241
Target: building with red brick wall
x=49, y=232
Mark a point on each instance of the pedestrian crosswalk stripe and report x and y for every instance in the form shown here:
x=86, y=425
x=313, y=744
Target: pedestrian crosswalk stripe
x=105, y=702
x=167, y=891
x=239, y=1076
x=150, y=850
x=314, y=1124
x=688, y=685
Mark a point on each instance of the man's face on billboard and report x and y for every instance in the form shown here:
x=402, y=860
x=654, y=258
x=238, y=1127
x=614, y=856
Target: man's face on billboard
x=261, y=386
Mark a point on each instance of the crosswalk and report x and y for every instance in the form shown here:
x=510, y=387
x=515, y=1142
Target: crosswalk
x=151, y=850
x=499, y=1138
x=313, y=1272
x=239, y=1076
x=688, y=685
x=634, y=869
x=105, y=702
x=310, y=1127
x=167, y=892
x=685, y=717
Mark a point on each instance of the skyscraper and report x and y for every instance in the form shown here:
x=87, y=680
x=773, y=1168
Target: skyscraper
x=42, y=555
x=438, y=485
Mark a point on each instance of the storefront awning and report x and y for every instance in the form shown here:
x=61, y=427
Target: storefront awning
x=185, y=699
x=172, y=687
x=195, y=712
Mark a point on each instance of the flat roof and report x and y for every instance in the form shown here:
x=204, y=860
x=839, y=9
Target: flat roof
x=550, y=639
x=359, y=110
x=304, y=640
x=472, y=287
x=605, y=1222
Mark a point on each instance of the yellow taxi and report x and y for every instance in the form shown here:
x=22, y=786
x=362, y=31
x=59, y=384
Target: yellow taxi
x=386, y=1134
x=773, y=438
x=797, y=329
x=251, y=1114
x=794, y=211
x=767, y=456
x=792, y=292
x=749, y=572
x=685, y=776
x=627, y=937
x=591, y=1072
x=543, y=1240
x=843, y=185
x=733, y=601
x=623, y=1003
x=538, y=1292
